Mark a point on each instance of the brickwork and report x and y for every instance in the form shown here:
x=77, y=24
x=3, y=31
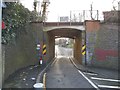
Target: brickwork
x=91, y=33
x=106, y=49
x=102, y=44
x=111, y=16
x=23, y=52
x=92, y=26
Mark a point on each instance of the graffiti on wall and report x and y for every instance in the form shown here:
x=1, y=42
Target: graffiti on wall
x=101, y=54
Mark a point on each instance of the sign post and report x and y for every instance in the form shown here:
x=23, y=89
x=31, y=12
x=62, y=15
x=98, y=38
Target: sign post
x=39, y=53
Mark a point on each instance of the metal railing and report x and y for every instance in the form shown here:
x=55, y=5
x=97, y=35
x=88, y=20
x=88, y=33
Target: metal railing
x=79, y=16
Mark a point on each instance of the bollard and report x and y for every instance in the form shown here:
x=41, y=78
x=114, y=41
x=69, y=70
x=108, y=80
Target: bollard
x=38, y=86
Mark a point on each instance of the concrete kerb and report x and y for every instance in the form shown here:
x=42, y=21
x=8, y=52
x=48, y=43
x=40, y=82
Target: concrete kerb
x=83, y=69
x=42, y=75
x=96, y=70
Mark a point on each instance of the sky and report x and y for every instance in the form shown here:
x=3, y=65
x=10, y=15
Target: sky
x=59, y=8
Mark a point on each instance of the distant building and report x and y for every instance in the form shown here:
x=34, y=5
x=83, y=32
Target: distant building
x=64, y=19
x=111, y=16
x=62, y=42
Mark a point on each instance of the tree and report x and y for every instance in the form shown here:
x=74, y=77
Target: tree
x=15, y=16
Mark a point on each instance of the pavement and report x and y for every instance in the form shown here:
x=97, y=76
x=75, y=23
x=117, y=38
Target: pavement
x=102, y=77
x=109, y=73
x=23, y=78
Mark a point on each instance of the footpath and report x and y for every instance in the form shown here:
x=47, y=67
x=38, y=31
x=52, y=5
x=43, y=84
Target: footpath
x=109, y=73
x=103, y=78
x=23, y=78
x=27, y=77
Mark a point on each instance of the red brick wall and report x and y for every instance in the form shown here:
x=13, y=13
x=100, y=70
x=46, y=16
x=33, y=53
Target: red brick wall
x=92, y=26
x=101, y=54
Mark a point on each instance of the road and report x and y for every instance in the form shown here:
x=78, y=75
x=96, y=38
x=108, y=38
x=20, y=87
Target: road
x=63, y=74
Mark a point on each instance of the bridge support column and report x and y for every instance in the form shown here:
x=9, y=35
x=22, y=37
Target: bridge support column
x=51, y=45
x=77, y=49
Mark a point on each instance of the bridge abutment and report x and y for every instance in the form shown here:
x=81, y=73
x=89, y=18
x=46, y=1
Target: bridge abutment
x=51, y=46
x=77, y=48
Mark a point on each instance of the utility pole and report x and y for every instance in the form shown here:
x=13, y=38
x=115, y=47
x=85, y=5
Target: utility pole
x=119, y=6
x=70, y=17
x=35, y=4
x=38, y=6
x=97, y=14
x=44, y=7
x=91, y=11
x=84, y=15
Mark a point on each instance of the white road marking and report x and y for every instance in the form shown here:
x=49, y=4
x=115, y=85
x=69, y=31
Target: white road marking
x=88, y=80
x=113, y=80
x=90, y=73
x=54, y=62
x=106, y=86
x=74, y=63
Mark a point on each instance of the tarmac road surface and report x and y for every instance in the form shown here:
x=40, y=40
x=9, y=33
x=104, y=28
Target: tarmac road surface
x=63, y=74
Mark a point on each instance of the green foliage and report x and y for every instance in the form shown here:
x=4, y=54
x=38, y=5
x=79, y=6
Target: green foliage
x=15, y=16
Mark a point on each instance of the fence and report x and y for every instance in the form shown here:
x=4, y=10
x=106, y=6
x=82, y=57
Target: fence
x=79, y=16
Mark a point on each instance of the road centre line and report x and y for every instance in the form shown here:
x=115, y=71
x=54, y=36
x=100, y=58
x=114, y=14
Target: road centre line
x=113, y=80
x=88, y=80
x=106, y=86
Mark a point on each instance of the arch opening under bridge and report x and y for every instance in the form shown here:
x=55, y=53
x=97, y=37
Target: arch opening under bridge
x=72, y=33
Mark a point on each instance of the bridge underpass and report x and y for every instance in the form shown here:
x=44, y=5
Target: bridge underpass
x=62, y=74
x=50, y=36
x=72, y=33
x=64, y=47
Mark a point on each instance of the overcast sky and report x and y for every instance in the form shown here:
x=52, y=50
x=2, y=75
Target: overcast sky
x=62, y=7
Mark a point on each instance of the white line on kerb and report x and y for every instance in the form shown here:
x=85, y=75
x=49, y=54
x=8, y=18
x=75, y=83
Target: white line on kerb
x=90, y=73
x=54, y=62
x=105, y=86
x=88, y=80
x=113, y=80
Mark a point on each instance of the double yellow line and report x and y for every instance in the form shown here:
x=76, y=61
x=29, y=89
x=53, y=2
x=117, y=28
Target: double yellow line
x=44, y=81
